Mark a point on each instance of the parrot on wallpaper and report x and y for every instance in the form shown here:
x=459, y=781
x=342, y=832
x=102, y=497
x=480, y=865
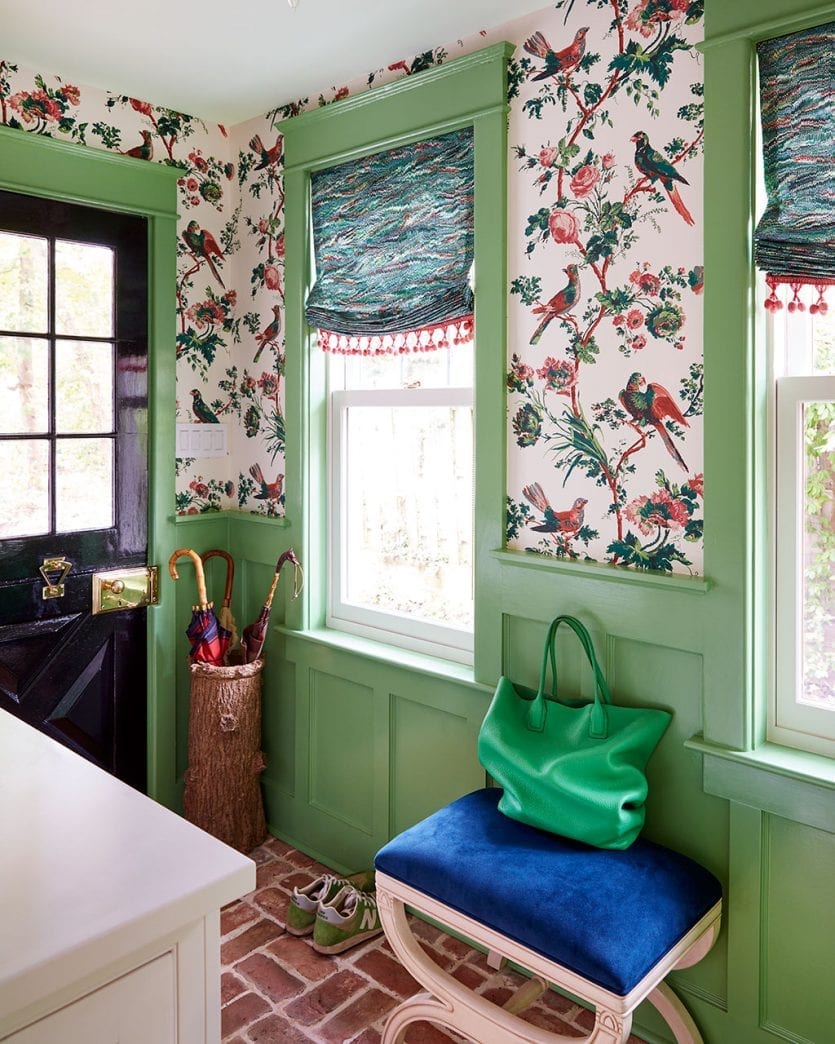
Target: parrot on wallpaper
x=145, y=151
x=564, y=61
x=269, y=490
x=266, y=157
x=652, y=407
x=655, y=167
x=560, y=303
x=269, y=335
x=203, y=414
x=203, y=245
x=567, y=522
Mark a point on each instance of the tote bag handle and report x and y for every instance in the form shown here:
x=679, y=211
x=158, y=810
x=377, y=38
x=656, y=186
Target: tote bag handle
x=538, y=711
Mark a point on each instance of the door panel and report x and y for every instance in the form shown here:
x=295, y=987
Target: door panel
x=73, y=369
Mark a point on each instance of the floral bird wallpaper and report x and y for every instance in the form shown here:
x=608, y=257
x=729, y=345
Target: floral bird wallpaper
x=604, y=376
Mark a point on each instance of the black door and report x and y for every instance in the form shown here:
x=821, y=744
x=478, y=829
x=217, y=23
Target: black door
x=73, y=460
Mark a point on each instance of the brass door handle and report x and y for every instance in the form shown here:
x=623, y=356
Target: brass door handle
x=54, y=571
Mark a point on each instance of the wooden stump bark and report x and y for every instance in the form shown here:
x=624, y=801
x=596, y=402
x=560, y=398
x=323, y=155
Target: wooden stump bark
x=223, y=780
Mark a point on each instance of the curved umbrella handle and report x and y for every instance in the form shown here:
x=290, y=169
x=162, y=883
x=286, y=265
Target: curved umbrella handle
x=298, y=572
x=230, y=571
x=198, y=572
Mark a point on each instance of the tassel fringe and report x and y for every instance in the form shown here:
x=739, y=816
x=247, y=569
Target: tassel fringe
x=773, y=303
x=425, y=339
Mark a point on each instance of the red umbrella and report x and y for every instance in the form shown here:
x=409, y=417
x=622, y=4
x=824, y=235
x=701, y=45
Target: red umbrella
x=254, y=634
x=209, y=641
x=225, y=617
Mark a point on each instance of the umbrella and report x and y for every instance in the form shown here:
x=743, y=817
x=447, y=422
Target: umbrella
x=225, y=617
x=209, y=641
x=252, y=639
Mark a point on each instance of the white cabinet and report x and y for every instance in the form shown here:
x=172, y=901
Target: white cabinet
x=137, y=1008
x=111, y=923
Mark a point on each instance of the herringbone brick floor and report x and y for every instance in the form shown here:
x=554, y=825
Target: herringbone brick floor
x=276, y=989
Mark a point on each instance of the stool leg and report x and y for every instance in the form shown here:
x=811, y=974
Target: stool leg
x=451, y=1004
x=674, y=1013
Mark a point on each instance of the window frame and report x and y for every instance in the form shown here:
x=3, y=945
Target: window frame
x=399, y=629
x=469, y=91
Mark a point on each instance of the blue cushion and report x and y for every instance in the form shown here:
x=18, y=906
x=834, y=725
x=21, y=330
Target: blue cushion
x=608, y=916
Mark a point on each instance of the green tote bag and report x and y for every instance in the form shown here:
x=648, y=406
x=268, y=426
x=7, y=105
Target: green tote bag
x=568, y=766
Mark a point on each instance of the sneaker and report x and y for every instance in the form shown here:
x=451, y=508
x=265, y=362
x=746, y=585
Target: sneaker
x=305, y=902
x=349, y=918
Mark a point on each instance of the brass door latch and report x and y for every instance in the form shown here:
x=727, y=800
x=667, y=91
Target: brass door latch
x=125, y=589
x=54, y=571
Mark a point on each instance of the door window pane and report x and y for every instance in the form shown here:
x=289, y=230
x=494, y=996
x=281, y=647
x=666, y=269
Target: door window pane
x=818, y=557
x=409, y=504
x=23, y=283
x=83, y=289
x=83, y=484
x=24, y=385
x=24, y=506
x=83, y=386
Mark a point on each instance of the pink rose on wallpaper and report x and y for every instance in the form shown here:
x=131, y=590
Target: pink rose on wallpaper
x=563, y=226
x=272, y=277
x=141, y=106
x=697, y=484
x=639, y=342
x=584, y=181
x=71, y=93
x=548, y=156
x=634, y=318
x=608, y=161
x=646, y=282
x=559, y=375
x=660, y=509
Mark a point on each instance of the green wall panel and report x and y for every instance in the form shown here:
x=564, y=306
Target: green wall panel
x=433, y=757
x=342, y=754
x=798, y=923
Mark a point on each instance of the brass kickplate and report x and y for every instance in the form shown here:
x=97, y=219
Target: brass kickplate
x=125, y=589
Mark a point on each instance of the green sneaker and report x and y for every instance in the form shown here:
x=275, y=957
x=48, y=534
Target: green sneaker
x=305, y=902
x=349, y=918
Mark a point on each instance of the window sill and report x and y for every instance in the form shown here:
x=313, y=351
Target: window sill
x=379, y=652
x=779, y=780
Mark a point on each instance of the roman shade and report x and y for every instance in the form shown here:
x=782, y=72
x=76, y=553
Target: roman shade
x=794, y=242
x=393, y=245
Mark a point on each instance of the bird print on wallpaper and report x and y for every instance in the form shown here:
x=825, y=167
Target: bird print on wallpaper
x=203, y=414
x=267, y=490
x=560, y=304
x=203, y=246
x=564, y=61
x=145, y=151
x=269, y=335
x=266, y=157
x=655, y=167
x=653, y=406
x=565, y=523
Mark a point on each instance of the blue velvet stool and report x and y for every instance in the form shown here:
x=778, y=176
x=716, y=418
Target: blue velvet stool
x=601, y=925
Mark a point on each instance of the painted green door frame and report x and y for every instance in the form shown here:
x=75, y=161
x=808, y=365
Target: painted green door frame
x=36, y=165
x=470, y=91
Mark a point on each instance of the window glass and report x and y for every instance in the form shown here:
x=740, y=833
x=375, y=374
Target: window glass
x=83, y=484
x=24, y=506
x=24, y=381
x=83, y=289
x=24, y=268
x=83, y=386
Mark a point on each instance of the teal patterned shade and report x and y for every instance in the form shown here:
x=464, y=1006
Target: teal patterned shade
x=795, y=237
x=393, y=241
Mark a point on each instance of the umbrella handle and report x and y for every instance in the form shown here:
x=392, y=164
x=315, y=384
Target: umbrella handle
x=230, y=570
x=298, y=572
x=198, y=572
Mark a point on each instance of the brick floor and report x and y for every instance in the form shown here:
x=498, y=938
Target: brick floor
x=277, y=990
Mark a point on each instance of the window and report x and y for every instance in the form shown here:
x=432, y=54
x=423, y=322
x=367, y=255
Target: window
x=350, y=418
x=803, y=353
x=400, y=519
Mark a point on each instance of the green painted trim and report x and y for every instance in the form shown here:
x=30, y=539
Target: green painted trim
x=603, y=571
x=769, y=19
x=778, y=780
x=41, y=166
x=91, y=176
x=470, y=90
x=379, y=652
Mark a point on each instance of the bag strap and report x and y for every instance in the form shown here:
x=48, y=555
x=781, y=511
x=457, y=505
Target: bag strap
x=537, y=712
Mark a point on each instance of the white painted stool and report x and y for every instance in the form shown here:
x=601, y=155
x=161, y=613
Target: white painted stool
x=604, y=926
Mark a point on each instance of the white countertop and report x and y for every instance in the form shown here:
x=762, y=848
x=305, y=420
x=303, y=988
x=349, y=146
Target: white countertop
x=90, y=869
